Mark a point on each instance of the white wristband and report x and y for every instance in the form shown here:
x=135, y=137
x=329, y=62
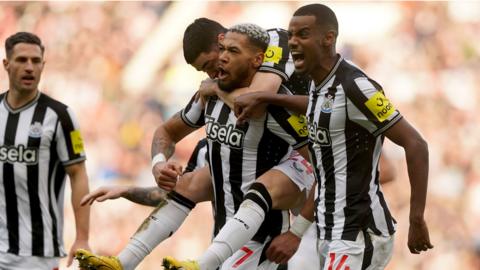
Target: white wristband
x=300, y=225
x=160, y=157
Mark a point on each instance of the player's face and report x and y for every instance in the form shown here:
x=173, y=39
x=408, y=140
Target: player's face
x=24, y=67
x=305, y=42
x=238, y=61
x=208, y=63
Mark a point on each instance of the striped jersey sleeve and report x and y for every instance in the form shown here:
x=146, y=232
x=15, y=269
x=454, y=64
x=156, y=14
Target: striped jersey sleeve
x=277, y=56
x=368, y=106
x=193, y=114
x=68, y=138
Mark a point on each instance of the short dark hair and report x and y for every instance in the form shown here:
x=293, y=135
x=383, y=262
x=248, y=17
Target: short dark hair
x=257, y=36
x=199, y=37
x=324, y=16
x=22, y=37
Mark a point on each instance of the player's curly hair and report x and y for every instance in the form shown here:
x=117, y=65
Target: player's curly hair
x=256, y=34
x=199, y=37
x=22, y=37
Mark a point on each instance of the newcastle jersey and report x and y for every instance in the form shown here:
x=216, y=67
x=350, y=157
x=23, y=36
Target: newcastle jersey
x=36, y=142
x=347, y=114
x=238, y=155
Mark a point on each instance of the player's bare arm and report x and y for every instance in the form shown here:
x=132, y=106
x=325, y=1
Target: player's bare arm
x=163, y=147
x=150, y=196
x=416, y=152
x=246, y=106
x=79, y=183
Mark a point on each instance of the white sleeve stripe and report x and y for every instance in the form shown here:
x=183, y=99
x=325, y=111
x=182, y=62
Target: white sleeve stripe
x=389, y=125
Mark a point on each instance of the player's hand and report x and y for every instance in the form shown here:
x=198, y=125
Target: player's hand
x=418, y=237
x=76, y=245
x=166, y=174
x=103, y=193
x=208, y=88
x=248, y=106
x=283, y=247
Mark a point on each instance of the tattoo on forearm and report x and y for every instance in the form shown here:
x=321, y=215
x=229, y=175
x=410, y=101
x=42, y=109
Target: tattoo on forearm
x=146, y=196
x=161, y=144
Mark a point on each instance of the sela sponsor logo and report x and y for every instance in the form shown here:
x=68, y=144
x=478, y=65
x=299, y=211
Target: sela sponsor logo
x=226, y=134
x=35, y=130
x=20, y=153
x=319, y=135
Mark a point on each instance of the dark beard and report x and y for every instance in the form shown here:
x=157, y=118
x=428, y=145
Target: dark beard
x=226, y=87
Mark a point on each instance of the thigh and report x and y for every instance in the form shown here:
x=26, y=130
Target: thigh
x=196, y=186
x=382, y=251
x=288, y=182
x=13, y=262
x=249, y=257
x=368, y=252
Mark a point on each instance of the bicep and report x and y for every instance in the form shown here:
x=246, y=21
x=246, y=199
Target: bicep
x=402, y=133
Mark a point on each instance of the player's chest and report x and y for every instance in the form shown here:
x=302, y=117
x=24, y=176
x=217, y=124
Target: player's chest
x=23, y=137
x=221, y=127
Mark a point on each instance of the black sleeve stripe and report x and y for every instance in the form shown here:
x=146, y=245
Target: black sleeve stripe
x=1, y=96
x=358, y=98
x=66, y=122
x=390, y=124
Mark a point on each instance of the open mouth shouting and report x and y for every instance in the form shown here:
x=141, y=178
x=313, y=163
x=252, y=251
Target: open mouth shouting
x=298, y=59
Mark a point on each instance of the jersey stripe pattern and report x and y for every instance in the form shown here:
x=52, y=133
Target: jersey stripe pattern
x=347, y=114
x=198, y=159
x=277, y=58
x=36, y=142
x=240, y=154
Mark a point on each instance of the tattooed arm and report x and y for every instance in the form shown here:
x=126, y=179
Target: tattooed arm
x=150, y=196
x=163, y=147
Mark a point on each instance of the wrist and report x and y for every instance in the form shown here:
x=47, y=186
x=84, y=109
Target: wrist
x=160, y=157
x=299, y=226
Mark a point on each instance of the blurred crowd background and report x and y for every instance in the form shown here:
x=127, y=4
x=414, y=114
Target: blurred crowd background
x=119, y=65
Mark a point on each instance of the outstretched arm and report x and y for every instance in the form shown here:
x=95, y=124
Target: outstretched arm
x=150, y=196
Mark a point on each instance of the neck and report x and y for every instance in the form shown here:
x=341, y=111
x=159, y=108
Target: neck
x=324, y=68
x=17, y=99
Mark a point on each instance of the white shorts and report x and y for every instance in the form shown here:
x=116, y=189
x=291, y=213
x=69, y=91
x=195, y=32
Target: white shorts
x=306, y=256
x=14, y=262
x=248, y=258
x=298, y=170
x=368, y=251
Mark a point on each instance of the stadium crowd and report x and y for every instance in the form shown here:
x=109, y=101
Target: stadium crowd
x=428, y=64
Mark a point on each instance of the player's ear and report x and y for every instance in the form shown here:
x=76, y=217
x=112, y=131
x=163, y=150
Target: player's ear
x=220, y=37
x=330, y=38
x=5, y=64
x=257, y=60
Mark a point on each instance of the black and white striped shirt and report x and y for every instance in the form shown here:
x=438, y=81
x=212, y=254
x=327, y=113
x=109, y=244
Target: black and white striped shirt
x=238, y=155
x=36, y=142
x=347, y=114
x=198, y=158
